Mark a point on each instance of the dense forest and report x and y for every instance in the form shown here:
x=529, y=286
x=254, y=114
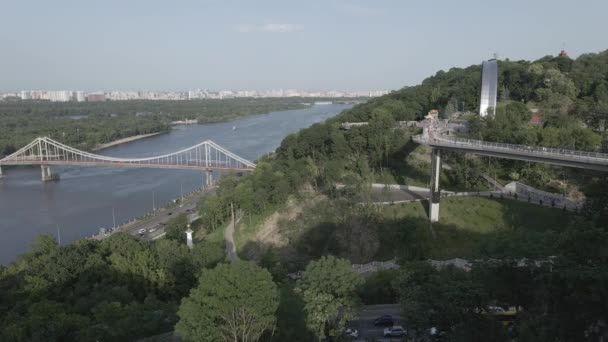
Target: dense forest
x=120, y=289
x=87, y=124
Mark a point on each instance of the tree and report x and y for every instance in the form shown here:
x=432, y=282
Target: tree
x=176, y=228
x=328, y=288
x=233, y=302
x=445, y=298
x=206, y=254
x=358, y=239
x=213, y=212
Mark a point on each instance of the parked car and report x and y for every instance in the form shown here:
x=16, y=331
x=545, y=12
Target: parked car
x=351, y=332
x=395, y=331
x=495, y=309
x=437, y=334
x=142, y=231
x=384, y=320
x=153, y=229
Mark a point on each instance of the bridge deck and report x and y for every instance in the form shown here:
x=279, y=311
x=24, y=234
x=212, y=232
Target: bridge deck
x=203, y=156
x=563, y=157
x=185, y=166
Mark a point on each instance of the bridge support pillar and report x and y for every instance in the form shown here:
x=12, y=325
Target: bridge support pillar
x=47, y=175
x=1, y=175
x=209, y=178
x=435, y=185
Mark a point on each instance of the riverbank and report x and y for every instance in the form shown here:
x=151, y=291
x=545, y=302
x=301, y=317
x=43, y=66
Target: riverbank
x=124, y=141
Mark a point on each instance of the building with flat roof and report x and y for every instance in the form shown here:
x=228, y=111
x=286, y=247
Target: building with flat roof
x=489, y=87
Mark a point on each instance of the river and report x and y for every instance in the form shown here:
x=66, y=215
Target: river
x=85, y=197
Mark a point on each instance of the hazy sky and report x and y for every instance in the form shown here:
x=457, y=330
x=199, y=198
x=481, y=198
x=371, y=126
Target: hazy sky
x=323, y=44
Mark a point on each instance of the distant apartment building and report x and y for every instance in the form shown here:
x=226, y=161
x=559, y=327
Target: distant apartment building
x=226, y=94
x=96, y=97
x=59, y=96
x=197, y=94
x=49, y=95
x=489, y=87
x=79, y=96
x=122, y=95
x=26, y=95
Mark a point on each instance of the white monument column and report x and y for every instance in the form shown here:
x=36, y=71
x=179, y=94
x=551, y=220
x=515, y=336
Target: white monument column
x=189, y=237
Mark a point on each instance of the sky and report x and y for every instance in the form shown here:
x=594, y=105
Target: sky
x=258, y=44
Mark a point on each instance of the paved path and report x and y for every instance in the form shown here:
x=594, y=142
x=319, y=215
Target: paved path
x=229, y=241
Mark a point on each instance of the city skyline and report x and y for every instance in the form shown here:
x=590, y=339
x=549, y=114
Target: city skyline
x=335, y=44
x=192, y=94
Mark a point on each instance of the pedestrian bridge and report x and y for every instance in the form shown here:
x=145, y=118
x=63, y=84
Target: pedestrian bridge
x=206, y=155
x=439, y=143
x=563, y=157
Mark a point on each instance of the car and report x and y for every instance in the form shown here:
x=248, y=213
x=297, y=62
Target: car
x=351, y=332
x=189, y=210
x=395, y=331
x=142, y=231
x=153, y=229
x=384, y=320
x=169, y=213
x=436, y=334
x=163, y=224
x=495, y=309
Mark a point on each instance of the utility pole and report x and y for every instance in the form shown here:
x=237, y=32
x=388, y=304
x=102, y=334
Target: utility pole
x=58, y=235
x=113, y=219
x=181, y=189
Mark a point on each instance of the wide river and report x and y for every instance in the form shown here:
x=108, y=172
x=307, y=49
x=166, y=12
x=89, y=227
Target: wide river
x=85, y=197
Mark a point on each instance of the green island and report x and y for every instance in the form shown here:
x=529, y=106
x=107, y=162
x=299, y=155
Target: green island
x=85, y=125
x=533, y=273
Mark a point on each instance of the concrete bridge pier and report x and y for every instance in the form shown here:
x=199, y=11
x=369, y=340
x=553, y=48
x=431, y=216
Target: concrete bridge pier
x=47, y=175
x=435, y=185
x=1, y=175
x=209, y=178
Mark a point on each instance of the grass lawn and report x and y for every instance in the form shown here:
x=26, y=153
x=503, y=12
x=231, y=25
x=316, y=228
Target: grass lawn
x=466, y=223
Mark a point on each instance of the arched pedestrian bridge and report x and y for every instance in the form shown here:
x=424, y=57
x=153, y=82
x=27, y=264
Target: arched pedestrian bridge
x=205, y=156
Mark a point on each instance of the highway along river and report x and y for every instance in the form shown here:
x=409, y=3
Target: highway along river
x=85, y=197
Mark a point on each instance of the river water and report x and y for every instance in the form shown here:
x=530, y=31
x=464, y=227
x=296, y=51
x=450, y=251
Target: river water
x=85, y=197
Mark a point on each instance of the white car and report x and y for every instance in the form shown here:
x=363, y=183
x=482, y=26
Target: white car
x=142, y=231
x=394, y=331
x=351, y=332
x=496, y=310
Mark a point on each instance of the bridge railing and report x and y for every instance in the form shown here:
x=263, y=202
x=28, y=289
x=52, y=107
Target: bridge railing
x=524, y=149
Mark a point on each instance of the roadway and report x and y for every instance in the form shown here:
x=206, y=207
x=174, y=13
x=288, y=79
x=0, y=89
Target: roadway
x=154, y=226
x=364, y=322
